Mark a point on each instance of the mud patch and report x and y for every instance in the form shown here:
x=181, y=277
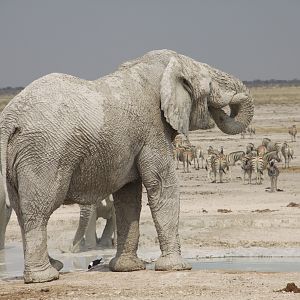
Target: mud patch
x=267, y=210
x=293, y=204
x=224, y=210
x=291, y=287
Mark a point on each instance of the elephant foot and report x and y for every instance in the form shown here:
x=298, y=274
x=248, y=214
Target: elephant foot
x=171, y=262
x=48, y=274
x=125, y=263
x=58, y=265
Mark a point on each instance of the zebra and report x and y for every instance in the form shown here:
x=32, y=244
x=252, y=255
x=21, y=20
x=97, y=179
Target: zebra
x=218, y=165
x=261, y=150
x=185, y=155
x=249, y=148
x=270, y=145
x=259, y=164
x=247, y=167
x=293, y=133
x=287, y=153
x=188, y=157
x=273, y=146
x=265, y=142
x=211, y=150
x=208, y=165
x=211, y=155
x=198, y=154
x=178, y=141
x=273, y=173
x=231, y=159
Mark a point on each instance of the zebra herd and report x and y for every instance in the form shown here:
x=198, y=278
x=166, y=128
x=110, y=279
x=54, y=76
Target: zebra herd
x=185, y=152
x=254, y=160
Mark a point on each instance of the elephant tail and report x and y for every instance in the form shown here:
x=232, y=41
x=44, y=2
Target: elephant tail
x=5, y=137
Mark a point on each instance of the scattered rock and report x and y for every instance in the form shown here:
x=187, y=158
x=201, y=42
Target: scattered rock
x=45, y=289
x=224, y=210
x=263, y=210
x=204, y=211
x=293, y=204
x=290, y=288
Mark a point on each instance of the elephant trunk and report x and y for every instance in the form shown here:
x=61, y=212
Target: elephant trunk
x=241, y=114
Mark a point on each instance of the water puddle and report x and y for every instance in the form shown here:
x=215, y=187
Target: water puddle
x=257, y=264
x=11, y=262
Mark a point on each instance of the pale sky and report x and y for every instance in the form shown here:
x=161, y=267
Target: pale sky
x=251, y=39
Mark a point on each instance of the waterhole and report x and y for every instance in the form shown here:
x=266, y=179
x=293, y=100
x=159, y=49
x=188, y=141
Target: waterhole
x=11, y=262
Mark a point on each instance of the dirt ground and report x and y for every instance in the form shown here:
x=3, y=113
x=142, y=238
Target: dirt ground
x=257, y=223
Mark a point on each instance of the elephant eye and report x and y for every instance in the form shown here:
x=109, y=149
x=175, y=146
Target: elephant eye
x=187, y=86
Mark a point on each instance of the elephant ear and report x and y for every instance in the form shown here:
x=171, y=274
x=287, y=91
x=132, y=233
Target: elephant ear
x=176, y=102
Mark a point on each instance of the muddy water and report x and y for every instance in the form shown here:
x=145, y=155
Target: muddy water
x=11, y=262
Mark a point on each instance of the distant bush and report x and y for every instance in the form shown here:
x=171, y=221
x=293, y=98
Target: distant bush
x=11, y=90
x=272, y=82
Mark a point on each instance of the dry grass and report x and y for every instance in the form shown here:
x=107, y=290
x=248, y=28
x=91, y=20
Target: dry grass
x=270, y=130
x=4, y=99
x=292, y=169
x=276, y=95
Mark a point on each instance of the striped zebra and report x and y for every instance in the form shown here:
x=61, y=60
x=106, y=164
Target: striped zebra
x=265, y=142
x=211, y=155
x=293, y=133
x=247, y=167
x=208, y=165
x=218, y=165
x=231, y=159
x=287, y=153
x=259, y=164
x=211, y=150
x=184, y=155
x=273, y=173
x=198, y=154
x=270, y=145
x=178, y=141
x=249, y=148
x=188, y=157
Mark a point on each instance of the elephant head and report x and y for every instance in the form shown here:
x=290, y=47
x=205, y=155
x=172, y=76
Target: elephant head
x=192, y=92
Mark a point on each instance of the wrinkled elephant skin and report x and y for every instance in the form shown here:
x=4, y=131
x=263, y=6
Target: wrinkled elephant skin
x=69, y=139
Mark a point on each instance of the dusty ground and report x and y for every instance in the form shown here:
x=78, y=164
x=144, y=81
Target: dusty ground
x=259, y=222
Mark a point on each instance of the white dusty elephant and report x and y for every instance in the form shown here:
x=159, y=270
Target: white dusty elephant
x=5, y=213
x=65, y=139
x=86, y=237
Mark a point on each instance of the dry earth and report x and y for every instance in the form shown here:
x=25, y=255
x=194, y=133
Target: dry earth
x=258, y=223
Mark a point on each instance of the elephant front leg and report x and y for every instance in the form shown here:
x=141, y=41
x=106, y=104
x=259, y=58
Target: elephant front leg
x=163, y=196
x=127, y=202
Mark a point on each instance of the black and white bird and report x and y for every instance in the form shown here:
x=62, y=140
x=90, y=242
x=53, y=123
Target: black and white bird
x=95, y=263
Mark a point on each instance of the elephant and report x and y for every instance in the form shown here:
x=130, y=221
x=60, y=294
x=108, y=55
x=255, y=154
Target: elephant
x=70, y=140
x=5, y=213
x=86, y=237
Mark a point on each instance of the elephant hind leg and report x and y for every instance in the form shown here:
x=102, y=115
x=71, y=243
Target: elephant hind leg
x=34, y=205
x=127, y=202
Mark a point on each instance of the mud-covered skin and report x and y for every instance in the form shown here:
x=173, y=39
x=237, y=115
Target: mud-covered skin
x=68, y=139
x=5, y=214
